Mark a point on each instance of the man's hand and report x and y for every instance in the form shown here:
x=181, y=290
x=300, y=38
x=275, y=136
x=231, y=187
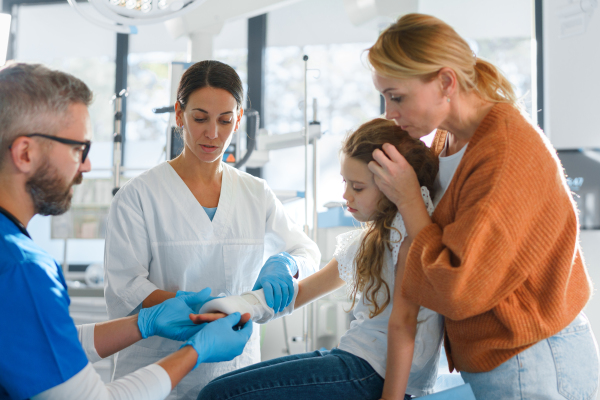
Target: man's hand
x=171, y=318
x=219, y=341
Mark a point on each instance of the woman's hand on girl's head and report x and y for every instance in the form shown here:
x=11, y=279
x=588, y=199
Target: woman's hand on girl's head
x=395, y=177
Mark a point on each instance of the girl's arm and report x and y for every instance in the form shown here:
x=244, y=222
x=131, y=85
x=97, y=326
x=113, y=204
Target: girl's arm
x=157, y=297
x=310, y=289
x=319, y=284
x=402, y=328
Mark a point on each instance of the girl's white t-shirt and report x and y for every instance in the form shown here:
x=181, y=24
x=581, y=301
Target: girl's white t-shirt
x=367, y=337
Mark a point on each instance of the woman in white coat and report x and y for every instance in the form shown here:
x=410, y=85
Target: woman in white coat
x=195, y=222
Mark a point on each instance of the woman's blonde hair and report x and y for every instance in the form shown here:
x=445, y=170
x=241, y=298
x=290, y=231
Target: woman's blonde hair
x=369, y=260
x=419, y=46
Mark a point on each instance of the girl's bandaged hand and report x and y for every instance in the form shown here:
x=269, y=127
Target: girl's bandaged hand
x=253, y=303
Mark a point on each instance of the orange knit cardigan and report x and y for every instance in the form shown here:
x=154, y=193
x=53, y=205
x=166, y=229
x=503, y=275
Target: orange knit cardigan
x=501, y=260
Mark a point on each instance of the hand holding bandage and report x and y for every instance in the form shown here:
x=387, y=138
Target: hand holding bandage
x=170, y=319
x=220, y=341
x=252, y=303
x=276, y=278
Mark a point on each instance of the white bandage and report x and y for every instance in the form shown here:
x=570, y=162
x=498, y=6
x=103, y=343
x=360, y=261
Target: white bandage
x=253, y=303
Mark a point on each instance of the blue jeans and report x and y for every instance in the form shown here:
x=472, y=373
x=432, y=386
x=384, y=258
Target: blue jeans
x=564, y=366
x=331, y=375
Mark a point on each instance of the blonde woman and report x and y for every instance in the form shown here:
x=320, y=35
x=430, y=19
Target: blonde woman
x=500, y=256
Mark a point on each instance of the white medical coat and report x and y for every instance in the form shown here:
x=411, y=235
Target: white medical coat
x=158, y=236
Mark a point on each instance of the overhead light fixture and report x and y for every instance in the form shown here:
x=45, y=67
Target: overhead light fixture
x=4, y=36
x=127, y=14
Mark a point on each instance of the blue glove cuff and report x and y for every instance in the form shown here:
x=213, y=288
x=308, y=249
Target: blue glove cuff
x=288, y=260
x=142, y=323
x=189, y=343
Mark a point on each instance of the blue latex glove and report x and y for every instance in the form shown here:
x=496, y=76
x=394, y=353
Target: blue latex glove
x=171, y=318
x=218, y=341
x=275, y=278
x=181, y=293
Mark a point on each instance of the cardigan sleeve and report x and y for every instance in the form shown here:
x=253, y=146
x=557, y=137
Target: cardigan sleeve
x=507, y=213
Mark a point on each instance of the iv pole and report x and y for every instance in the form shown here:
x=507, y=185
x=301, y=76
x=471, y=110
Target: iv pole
x=306, y=229
x=313, y=305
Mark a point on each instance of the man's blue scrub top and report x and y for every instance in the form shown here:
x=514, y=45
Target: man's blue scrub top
x=39, y=346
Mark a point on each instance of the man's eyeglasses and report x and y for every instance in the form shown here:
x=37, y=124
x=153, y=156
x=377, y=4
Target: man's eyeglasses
x=84, y=153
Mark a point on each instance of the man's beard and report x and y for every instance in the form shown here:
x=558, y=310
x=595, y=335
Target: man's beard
x=49, y=192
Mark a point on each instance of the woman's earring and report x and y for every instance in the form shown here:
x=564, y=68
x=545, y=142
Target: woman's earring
x=448, y=99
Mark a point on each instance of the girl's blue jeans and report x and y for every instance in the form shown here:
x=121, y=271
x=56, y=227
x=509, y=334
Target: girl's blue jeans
x=331, y=375
x=564, y=366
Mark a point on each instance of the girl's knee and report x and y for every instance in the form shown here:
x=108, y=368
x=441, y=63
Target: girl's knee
x=213, y=391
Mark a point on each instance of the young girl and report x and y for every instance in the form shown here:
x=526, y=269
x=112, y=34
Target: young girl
x=370, y=261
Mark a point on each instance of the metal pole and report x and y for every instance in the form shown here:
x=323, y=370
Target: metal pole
x=315, y=174
x=539, y=63
x=10, y=7
x=117, y=140
x=306, y=229
x=315, y=220
x=306, y=142
x=65, y=264
x=286, y=337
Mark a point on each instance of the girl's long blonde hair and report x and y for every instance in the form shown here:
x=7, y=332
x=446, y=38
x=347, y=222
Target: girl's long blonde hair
x=369, y=261
x=419, y=46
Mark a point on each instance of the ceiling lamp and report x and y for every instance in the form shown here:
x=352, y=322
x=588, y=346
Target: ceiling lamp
x=128, y=13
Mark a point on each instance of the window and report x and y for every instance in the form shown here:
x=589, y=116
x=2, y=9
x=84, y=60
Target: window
x=71, y=44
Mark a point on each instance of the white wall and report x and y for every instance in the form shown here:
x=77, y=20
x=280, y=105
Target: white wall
x=571, y=87
x=483, y=19
x=60, y=32
x=310, y=22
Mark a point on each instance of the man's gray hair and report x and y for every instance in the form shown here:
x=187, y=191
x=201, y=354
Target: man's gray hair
x=35, y=99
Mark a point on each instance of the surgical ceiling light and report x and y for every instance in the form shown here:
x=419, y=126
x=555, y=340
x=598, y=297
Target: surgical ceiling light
x=128, y=13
